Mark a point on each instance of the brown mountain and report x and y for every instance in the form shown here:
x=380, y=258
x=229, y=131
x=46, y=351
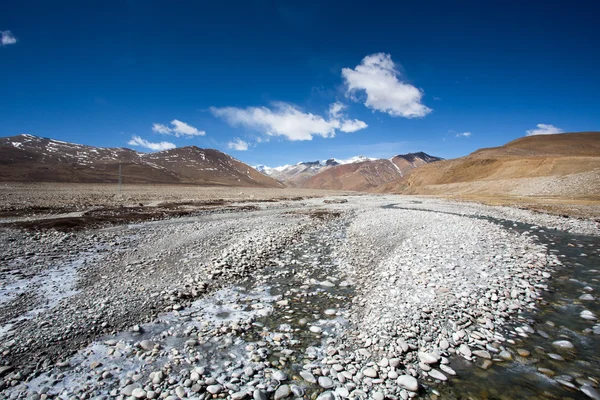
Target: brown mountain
x=563, y=165
x=367, y=175
x=28, y=158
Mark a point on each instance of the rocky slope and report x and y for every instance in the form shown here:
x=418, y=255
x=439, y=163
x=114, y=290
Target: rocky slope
x=356, y=173
x=27, y=158
x=369, y=174
x=565, y=165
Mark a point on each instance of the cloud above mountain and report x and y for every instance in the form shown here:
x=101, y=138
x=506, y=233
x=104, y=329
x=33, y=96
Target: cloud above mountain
x=544, y=129
x=177, y=129
x=377, y=82
x=284, y=119
x=155, y=146
x=238, y=144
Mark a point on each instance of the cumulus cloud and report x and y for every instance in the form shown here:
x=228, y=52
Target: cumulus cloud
x=464, y=134
x=7, y=38
x=178, y=129
x=138, y=141
x=238, y=144
x=379, y=78
x=286, y=120
x=544, y=129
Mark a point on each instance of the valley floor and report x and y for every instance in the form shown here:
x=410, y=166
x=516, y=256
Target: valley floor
x=347, y=296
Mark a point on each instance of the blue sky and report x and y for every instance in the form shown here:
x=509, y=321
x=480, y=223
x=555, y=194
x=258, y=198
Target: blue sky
x=371, y=78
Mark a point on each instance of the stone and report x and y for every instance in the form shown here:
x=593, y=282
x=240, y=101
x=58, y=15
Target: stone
x=308, y=377
x=239, y=395
x=429, y=358
x=378, y=396
x=590, y=392
x=394, y=362
x=279, y=375
x=444, y=345
x=563, y=344
x=139, y=393
x=370, y=372
x=447, y=369
x=282, y=392
x=128, y=390
x=482, y=354
x=587, y=297
x=214, y=389
x=465, y=350
x=298, y=391
x=486, y=364
x=325, y=382
x=147, y=345
x=523, y=352
x=436, y=374
x=259, y=395
x=326, y=396
x=180, y=391
x=587, y=314
x=408, y=382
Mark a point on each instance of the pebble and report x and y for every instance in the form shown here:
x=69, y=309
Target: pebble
x=138, y=393
x=325, y=382
x=408, y=382
x=590, y=392
x=326, y=396
x=308, y=377
x=282, y=392
x=563, y=344
x=434, y=373
x=279, y=375
x=465, y=350
x=523, y=352
x=587, y=297
x=447, y=369
x=259, y=395
x=482, y=354
x=214, y=389
x=428, y=358
x=587, y=314
x=370, y=372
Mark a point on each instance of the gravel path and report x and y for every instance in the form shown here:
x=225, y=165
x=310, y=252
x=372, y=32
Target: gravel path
x=369, y=297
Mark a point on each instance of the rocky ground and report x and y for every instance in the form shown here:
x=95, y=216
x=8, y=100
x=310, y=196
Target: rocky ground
x=352, y=297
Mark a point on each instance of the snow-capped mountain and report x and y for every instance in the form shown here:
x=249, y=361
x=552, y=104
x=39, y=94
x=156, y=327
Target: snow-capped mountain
x=295, y=175
x=30, y=158
x=356, y=173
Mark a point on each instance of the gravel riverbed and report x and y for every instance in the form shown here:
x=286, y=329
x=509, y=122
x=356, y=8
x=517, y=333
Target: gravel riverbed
x=373, y=297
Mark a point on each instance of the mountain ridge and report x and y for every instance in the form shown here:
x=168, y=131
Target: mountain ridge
x=31, y=158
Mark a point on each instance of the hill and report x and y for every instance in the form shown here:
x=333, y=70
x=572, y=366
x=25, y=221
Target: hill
x=28, y=158
x=553, y=166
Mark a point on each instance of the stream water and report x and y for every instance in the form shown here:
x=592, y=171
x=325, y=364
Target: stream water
x=549, y=371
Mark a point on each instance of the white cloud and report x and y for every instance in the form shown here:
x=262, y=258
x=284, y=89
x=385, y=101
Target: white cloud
x=287, y=120
x=7, y=38
x=179, y=129
x=544, y=129
x=238, y=144
x=378, y=77
x=352, y=125
x=464, y=134
x=335, y=109
x=138, y=141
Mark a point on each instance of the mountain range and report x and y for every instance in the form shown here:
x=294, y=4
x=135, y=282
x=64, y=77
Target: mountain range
x=356, y=173
x=28, y=158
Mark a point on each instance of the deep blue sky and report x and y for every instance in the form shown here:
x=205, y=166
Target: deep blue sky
x=100, y=72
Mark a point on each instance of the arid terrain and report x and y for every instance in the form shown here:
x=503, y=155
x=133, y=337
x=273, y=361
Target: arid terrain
x=554, y=173
x=268, y=293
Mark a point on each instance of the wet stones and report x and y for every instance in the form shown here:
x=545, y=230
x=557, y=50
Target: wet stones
x=563, y=345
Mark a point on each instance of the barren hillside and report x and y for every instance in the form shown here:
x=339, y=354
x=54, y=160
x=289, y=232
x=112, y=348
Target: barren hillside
x=565, y=165
x=28, y=158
